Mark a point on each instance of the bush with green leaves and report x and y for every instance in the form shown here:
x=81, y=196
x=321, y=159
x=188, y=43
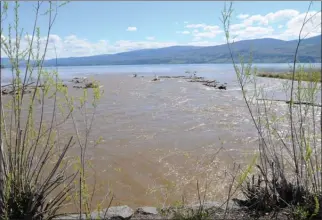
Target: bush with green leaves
x=36, y=180
x=289, y=135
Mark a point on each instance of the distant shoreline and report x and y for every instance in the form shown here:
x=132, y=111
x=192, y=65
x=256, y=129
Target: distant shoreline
x=156, y=64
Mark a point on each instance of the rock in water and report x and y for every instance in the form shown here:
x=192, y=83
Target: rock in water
x=79, y=80
x=91, y=85
x=113, y=213
x=4, y=92
x=147, y=210
x=155, y=79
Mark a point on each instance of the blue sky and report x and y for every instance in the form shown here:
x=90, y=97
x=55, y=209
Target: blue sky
x=84, y=28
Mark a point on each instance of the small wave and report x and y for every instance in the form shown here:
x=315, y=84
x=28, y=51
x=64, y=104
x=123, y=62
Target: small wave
x=184, y=101
x=183, y=89
x=246, y=120
x=234, y=89
x=178, y=103
x=194, y=127
x=150, y=81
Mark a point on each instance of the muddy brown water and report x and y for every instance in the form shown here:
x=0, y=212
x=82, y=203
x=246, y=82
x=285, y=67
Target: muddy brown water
x=147, y=128
x=158, y=137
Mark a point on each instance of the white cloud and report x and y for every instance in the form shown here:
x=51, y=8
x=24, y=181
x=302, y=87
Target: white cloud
x=186, y=22
x=281, y=14
x=288, y=24
x=208, y=34
x=203, y=43
x=185, y=32
x=243, y=16
x=205, y=31
x=73, y=46
x=289, y=20
x=196, y=25
x=131, y=29
x=311, y=28
x=127, y=45
x=270, y=17
x=252, y=32
x=262, y=20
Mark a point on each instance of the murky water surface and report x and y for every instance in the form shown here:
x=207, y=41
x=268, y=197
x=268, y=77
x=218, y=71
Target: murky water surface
x=157, y=132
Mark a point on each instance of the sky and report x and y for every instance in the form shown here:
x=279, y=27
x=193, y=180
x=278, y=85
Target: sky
x=86, y=28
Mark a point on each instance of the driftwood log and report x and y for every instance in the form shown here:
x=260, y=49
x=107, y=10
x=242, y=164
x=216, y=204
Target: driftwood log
x=5, y=91
x=12, y=84
x=294, y=102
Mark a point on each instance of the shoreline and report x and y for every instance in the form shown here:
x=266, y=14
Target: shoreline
x=165, y=64
x=310, y=76
x=198, y=210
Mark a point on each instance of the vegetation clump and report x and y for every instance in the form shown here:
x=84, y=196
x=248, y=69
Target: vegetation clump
x=313, y=76
x=36, y=180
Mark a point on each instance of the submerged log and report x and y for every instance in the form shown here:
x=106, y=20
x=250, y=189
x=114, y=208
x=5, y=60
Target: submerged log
x=211, y=83
x=26, y=89
x=201, y=81
x=294, y=102
x=175, y=77
x=13, y=92
x=12, y=84
x=77, y=87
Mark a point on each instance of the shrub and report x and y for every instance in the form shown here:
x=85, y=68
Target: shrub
x=34, y=180
x=289, y=164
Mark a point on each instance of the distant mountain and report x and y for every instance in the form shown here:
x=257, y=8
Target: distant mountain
x=264, y=50
x=146, y=56
x=311, y=40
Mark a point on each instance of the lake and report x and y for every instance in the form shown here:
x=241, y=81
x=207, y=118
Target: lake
x=160, y=137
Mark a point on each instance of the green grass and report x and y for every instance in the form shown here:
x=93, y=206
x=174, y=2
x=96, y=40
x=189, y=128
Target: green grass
x=314, y=76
